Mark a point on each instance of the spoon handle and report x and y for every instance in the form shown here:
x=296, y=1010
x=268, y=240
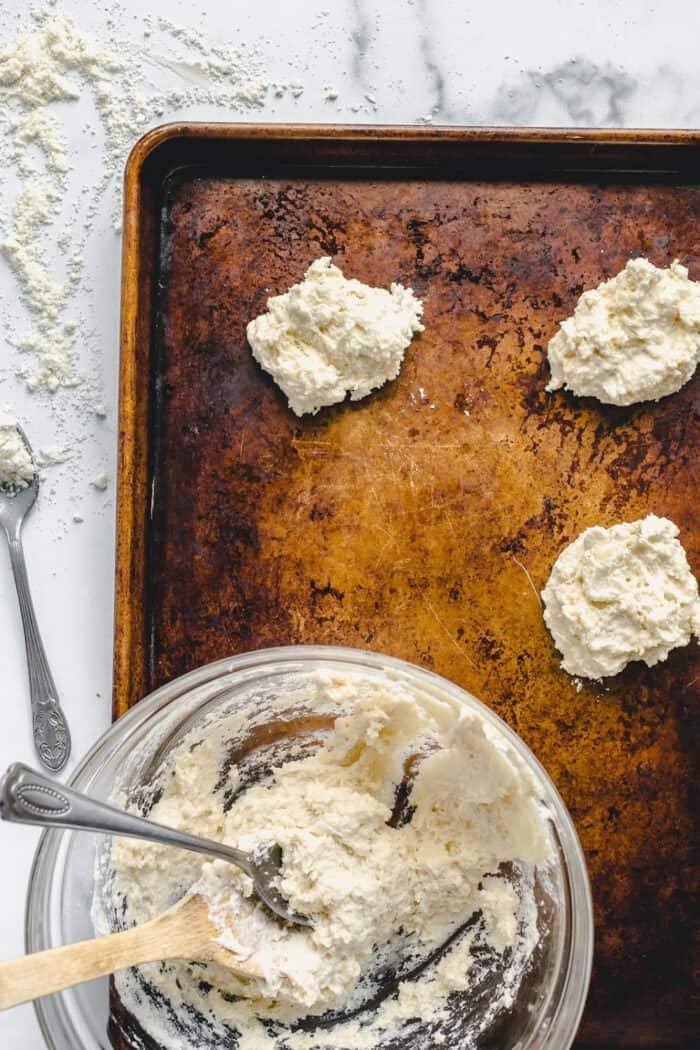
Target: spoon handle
x=51, y=734
x=177, y=933
x=28, y=797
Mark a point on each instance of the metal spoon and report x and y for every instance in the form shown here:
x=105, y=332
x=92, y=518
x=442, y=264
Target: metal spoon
x=28, y=797
x=51, y=734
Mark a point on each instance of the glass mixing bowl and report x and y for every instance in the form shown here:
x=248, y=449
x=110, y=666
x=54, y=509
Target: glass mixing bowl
x=547, y=1010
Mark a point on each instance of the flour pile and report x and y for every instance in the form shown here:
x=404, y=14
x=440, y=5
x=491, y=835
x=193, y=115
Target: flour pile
x=46, y=64
x=73, y=101
x=51, y=62
x=387, y=874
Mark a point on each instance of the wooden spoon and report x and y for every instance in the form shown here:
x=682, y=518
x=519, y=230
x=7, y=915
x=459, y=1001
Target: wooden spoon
x=183, y=932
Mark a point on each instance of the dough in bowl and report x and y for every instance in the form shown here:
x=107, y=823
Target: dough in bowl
x=413, y=836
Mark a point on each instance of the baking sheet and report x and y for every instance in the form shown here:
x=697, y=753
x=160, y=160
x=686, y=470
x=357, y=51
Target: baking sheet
x=423, y=521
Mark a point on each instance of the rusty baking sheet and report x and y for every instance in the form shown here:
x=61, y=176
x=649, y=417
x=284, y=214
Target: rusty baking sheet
x=417, y=521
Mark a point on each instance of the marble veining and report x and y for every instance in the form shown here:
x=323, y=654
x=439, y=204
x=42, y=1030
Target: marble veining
x=360, y=35
x=430, y=56
x=585, y=93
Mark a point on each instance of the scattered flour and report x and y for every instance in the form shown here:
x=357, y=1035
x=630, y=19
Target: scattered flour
x=387, y=884
x=51, y=455
x=621, y=594
x=35, y=71
x=51, y=61
x=329, y=336
x=124, y=83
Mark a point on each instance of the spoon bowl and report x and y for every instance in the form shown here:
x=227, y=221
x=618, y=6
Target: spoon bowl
x=15, y=502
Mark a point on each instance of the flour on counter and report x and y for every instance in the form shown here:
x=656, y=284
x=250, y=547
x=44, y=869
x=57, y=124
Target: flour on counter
x=621, y=594
x=36, y=70
x=51, y=455
x=633, y=338
x=52, y=61
x=385, y=887
x=329, y=336
x=16, y=467
x=121, y=81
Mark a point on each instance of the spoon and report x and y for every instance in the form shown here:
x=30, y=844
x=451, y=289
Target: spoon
x=28, y=797
x=182, y=932
x=51, y=734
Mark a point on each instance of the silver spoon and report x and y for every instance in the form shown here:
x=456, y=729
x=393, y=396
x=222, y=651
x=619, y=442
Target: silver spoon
x=28, y=797
x=51, y=734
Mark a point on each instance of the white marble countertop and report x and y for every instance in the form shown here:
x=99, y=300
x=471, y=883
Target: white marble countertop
x=549, y=62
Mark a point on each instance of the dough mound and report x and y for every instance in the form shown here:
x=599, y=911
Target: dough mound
x=633, y=338
x=328, y=336
x=621, y=594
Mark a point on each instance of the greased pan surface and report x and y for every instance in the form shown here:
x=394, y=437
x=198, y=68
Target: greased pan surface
x=413, y=522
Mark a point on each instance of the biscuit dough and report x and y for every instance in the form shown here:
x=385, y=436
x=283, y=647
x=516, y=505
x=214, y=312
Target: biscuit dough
x=621, y=594
x=633, y=338
x=329, y=336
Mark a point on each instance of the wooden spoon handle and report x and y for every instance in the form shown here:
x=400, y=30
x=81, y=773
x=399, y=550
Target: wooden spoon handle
x=45, y=972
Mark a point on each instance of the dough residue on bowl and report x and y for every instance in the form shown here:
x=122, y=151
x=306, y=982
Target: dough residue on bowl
x=329, y=336
x=410, y=829
x=633, y=338
x=621, y=594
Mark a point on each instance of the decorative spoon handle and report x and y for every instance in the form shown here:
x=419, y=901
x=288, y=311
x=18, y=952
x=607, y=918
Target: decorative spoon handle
x=28, y=797
x=51, y=733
